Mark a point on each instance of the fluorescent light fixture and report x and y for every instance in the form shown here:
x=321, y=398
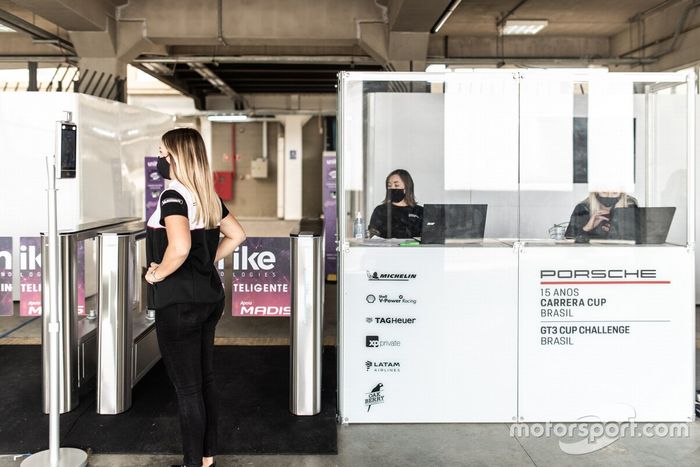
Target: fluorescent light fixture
x=158, y=68
x=4, y=28
x=523, y=27
x=445, y=14
x=213, y=79
x=228, y=118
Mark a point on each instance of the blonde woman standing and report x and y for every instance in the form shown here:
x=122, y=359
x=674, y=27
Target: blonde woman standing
x=183, y=247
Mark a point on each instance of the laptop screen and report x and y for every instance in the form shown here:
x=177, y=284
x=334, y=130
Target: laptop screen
x=643, y=225
x=453, y=222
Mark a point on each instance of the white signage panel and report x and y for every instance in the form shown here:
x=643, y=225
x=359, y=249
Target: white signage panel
x=611, y=134
x=481, y=132
x=429, y=334
x=606, y=333
x=546, y=133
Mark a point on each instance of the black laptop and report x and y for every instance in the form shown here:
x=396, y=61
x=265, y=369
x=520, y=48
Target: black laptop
x=643, y=225
x=445, y=222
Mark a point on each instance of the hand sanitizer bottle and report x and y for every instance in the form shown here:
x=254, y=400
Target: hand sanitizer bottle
x=358, y=226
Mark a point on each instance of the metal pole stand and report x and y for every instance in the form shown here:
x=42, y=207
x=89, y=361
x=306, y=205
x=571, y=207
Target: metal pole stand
x=55, y=456
x=306, y=323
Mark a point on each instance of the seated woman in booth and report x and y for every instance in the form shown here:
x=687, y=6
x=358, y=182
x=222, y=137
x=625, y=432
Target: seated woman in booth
x=592, y=217
x=399, y=215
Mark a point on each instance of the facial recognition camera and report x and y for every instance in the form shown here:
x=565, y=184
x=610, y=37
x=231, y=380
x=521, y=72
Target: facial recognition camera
x=66, y=147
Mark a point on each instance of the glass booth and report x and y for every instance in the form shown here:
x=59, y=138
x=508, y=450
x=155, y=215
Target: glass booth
x=516, y=245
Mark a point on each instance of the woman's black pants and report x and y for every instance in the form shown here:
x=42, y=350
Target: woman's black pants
x=186, y=340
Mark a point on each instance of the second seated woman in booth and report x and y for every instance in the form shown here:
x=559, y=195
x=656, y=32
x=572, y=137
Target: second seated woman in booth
x=182, y=246
x=592, y=217
x=399, y=216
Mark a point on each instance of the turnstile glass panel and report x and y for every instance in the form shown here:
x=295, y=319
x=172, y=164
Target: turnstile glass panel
x=86, y=278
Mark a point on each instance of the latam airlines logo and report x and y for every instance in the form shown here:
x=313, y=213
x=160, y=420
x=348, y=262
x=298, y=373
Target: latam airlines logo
x=390, y=276
x=383, y=367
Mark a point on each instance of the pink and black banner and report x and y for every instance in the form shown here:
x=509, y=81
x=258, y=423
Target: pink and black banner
x=30, y=276
x=261, y=278
x=154, y=185
x=6, y=276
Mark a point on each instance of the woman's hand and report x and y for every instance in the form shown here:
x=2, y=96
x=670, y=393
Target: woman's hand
x=596, y=219
x=152, y=276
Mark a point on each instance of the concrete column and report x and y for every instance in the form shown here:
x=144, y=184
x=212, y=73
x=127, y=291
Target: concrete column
x=32, y=84
x=205, y=130
x=292, y=160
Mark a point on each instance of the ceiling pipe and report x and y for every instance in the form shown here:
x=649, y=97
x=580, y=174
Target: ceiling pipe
x=679, y=30
x=568, y=61
x=20, y=25
x=39, y=58
x=220, y=21
x=654, y=9
x=285, y=59
x=445, y=16
x=680, y=25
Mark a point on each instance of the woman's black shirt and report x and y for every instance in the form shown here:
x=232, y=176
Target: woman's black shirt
x=390, y=221
x=581, y=216
x=197, y=280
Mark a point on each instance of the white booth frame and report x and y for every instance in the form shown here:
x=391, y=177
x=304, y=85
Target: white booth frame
x=344, y=140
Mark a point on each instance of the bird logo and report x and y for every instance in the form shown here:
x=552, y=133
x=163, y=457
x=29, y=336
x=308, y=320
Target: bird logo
x=374, y=396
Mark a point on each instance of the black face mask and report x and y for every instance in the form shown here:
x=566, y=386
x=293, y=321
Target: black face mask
x=163, y=168
x=396, y=195
x=608, y=201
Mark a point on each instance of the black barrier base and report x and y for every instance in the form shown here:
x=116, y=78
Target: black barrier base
x=253, y=383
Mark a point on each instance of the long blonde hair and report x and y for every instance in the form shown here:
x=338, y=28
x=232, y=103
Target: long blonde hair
x=594, y=204
x=189, y=165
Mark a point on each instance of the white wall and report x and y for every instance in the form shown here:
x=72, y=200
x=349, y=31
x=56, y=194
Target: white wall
x=113, y=139
x=293, y=153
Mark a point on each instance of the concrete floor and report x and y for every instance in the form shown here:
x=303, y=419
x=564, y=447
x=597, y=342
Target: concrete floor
x=448, y=445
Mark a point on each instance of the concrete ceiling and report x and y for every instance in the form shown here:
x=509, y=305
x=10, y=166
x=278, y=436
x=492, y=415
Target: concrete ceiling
x=233, y=47
x=566, y=17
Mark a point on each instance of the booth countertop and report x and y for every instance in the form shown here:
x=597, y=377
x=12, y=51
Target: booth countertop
x=496, y=243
